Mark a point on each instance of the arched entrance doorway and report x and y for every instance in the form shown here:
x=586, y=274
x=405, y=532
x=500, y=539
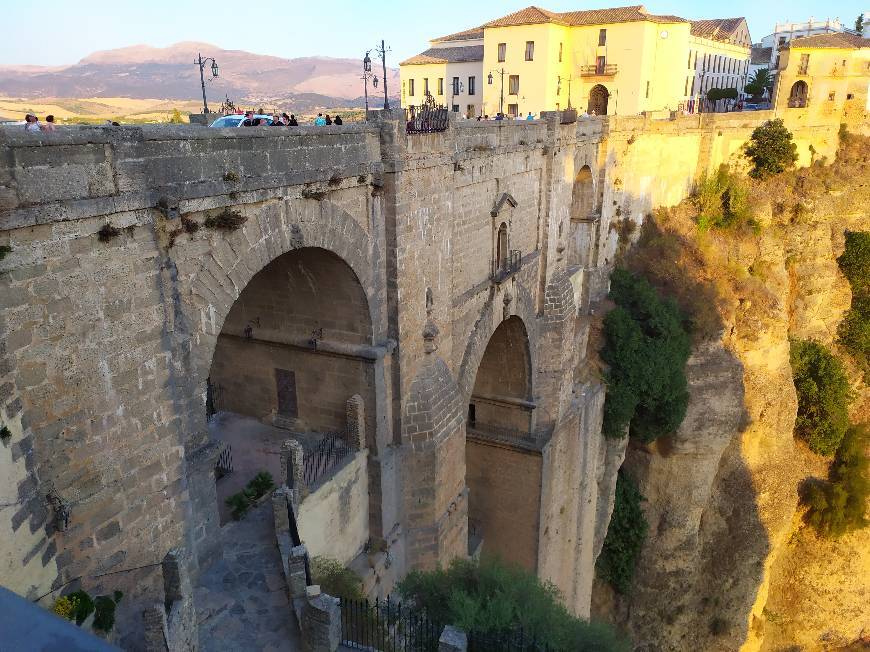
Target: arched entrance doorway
x=292, y=351
x=598, y=97
x=503, y=462
x=583, y=219
x=797, y=98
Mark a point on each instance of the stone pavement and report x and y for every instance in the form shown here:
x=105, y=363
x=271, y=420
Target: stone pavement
x=241, y=600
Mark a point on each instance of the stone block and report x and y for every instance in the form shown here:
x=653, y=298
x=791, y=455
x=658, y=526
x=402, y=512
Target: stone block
x=452, y=639
x=321, y=622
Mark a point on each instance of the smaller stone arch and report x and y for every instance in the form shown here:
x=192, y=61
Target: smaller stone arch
x=598, y=98
x=583, y=195
x=797, y=97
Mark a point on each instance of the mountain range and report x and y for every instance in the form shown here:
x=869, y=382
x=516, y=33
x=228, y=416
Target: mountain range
x=142, y=71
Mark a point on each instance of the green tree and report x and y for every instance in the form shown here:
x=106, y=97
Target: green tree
x=176, y=118
x=646, y=347
x=625, y=536
x=762, y=79
x=771, y=149
x=495, y=598
x=839, y=505
x=854, y=262
x=859, y=23
x=823, y=396
x=854, y=330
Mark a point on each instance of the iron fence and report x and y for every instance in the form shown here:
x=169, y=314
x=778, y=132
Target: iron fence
x=427, y=118
x=214, y=395
x=224, y=464
x=323, y=458
x=512, y=436
x=387, y=626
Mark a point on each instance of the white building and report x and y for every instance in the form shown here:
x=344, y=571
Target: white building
x=719, y=52
x=766, y=53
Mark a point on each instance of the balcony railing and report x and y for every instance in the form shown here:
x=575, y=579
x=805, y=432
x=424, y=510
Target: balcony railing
x=509, y=267
x=598, y=70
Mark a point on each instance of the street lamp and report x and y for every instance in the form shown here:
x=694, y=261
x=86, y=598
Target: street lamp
x=382, y=52
x=214, y=73
x=367, y=74
x=489, y=78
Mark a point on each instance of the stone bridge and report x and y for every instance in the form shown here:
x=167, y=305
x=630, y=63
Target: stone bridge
x=448, y=279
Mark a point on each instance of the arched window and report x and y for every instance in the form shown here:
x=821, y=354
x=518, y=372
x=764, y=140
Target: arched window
x=797, y=98
x=501, y=253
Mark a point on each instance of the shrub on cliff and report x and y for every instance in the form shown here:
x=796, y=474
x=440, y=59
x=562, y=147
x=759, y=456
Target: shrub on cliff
x=336, y=580
x=839, y=505
x=722, y=200
x=854, y=332
x=646, y=347
x=823, y=396
x=771, y=149
x=625, y=536
x=854, y=262
x=495, y=599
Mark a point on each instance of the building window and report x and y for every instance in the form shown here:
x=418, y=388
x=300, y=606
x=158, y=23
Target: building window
x=530, y=50
x=804, y=65
x=455, y=108
x=602, y=37
x=471, y=89
x=514, y=85
x=694, y=79
x=441, y=85
x=686, y=87
x=560, y=52
x=502, y=50
x=647, y=89
x=689, y=60
x=456, y=85
x=469, y=111
x=831, y=97
x=410, y=88
x=599, y=65
x=781, y=41
x=513, y=110
x=425, y=86
x=558, y=85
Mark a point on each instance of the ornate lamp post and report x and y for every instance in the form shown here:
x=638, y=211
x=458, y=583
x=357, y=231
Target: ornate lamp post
x=501, y=73
x=367, y=74
x=382, y=52
x=214, y=73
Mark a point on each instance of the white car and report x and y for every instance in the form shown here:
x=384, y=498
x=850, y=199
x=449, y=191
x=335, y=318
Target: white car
x=237, y=119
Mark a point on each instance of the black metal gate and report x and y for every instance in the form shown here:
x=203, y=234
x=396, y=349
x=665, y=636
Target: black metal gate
x=427, y=118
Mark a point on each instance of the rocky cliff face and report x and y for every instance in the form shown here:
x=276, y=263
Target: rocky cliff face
x=728, y=564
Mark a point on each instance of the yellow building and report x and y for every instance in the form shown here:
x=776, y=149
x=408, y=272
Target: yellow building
x=623, y=60
x=827, y=74
x=449, y=71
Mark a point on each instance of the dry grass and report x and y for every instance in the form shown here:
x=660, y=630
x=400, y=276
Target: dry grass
x=122, y=109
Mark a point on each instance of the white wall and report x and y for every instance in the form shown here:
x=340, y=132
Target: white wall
x=334, y=519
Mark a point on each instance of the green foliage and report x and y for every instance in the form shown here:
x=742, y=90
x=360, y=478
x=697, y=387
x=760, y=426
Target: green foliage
x=823, y=396
x=176, y=118
x=104, y=618
x=715, y=94
x=625, y=536
x=646, y=347
x=335, y=579
x=855, y=261
x=5, y=250
x=771, y=149
x=854, y=332
x=761, y=78
x=755, y=90
x=723, y=200
x=859, y=23
x=839, y=505
x=240, y=502
x=495, y=598
x=84, y=606
x=64, y=607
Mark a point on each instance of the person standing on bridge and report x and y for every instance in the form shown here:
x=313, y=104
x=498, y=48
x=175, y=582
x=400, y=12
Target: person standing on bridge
x=319, y=121
x=338, y=120
x=292, y=122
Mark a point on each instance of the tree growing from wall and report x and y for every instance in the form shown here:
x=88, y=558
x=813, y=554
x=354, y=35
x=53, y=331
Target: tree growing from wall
x=854, y=330
x=625, y=536
x=646, y=347
x=771, y=149
x=823, y=396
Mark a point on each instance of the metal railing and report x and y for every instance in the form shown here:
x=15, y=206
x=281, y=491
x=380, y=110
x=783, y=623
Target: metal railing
x=428, y=118
x=224, y=464
x=214, y=395
x=509, y=266
x=388, y=626
x=323, y=458
x=598, y=70
x=512, y=436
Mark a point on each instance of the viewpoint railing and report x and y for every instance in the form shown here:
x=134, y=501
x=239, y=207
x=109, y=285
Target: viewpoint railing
x=325, y=456
x=427, y=118
x=387, y=625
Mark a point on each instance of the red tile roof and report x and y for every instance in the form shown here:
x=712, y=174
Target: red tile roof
x=467, y=35
x=717, y=29
x=833, y=40
x=536, y=16
x=446, y=55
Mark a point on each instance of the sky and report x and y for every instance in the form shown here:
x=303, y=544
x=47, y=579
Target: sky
x=58, y=32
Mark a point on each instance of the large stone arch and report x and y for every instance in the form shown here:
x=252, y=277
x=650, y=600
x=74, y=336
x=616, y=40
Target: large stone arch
x=213, y=281
x=521, y=305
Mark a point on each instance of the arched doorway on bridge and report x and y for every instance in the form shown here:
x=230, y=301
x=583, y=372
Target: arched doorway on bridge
x=503, y=463
x=293, y=350
x=598, y=97
x=583, y=219
x=797, y=98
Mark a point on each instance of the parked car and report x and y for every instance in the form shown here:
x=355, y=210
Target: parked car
x=237, y=119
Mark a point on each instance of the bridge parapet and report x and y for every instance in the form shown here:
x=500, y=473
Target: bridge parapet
x=82, y=172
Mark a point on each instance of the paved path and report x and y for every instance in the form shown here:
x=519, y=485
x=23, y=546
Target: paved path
x=241, y=600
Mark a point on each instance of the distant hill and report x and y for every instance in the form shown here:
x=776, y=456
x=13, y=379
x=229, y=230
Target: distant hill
x=142, y=71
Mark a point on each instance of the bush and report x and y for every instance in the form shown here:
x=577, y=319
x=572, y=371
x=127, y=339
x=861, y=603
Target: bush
x=855, y=261
x=261, y=484
x=104, y=618
x=722, y=200
x=771, y=149
x=823, y=396
x=646, y=347
x=625, y=536
x=854, y=333
x=335, y=579
x=497, y=599
x=176, y=118
x=240, y=502
x=839, y=505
